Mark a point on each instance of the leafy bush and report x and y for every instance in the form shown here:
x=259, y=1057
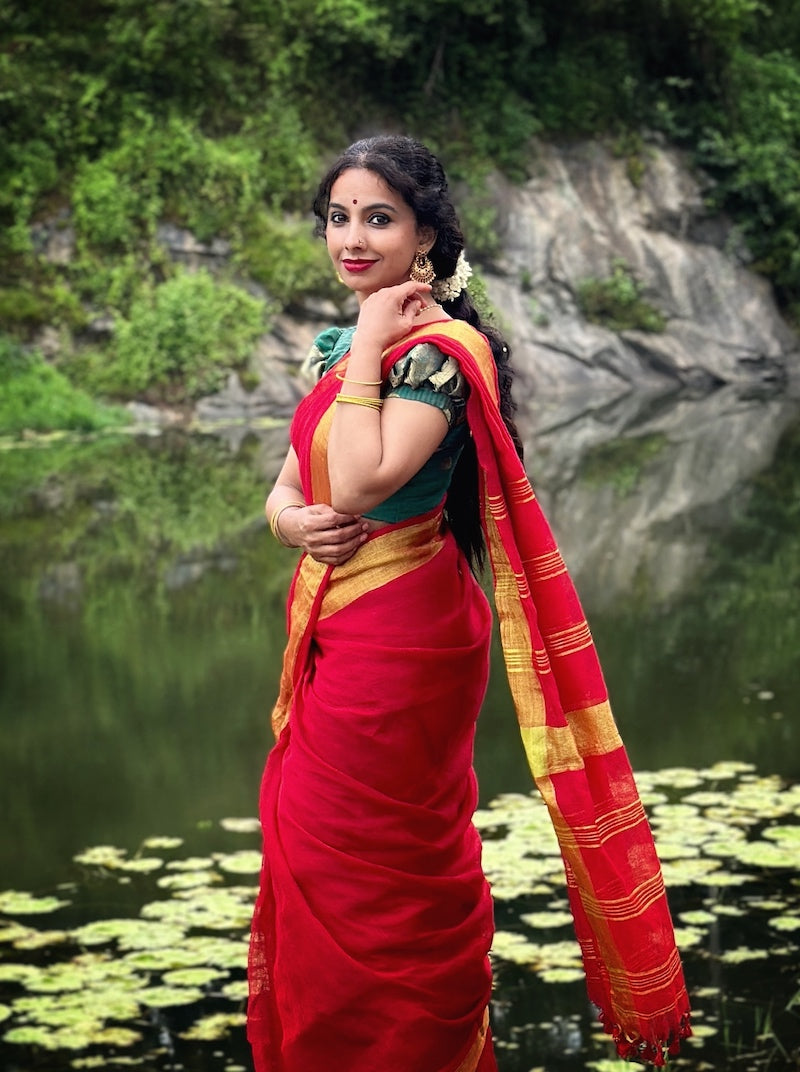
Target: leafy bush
x=755, y=156
x=285, y=257
x=35, y=396
x=22, y=308
x=181, y=338
x=617, y=303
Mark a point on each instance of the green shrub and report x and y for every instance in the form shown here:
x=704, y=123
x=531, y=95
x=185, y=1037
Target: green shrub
x=182, y=337
x=285, y=257
x=23, y=308
x=35, y=396
x=754, y=154
x=616, y=302
x=105, y=204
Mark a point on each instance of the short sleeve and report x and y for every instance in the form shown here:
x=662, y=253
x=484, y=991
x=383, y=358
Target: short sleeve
x=425, y=374
x=327, y=348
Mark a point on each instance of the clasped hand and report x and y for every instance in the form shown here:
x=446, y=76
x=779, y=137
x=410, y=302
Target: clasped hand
x=327, y=536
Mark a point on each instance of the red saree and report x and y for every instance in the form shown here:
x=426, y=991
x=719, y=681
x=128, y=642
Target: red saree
x=371, y=931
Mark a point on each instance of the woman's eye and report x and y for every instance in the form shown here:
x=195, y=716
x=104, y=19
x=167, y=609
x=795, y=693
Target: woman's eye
x=337, y=217
x=379, y=218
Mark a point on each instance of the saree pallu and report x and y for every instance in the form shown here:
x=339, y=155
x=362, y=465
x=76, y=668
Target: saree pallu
x=374, y=920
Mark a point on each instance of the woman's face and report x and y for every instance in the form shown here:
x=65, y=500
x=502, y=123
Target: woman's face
x=371, y=232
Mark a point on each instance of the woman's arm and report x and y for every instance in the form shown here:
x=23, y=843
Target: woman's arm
x=372, y=453
x=327, y=535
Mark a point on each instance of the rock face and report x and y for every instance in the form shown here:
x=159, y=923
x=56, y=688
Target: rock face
x=578, y=217
x=641, y=444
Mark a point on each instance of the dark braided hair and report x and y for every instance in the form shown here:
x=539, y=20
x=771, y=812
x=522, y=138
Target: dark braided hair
x=412, y=171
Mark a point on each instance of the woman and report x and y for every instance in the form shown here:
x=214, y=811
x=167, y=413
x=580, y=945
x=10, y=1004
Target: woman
x=374, y=921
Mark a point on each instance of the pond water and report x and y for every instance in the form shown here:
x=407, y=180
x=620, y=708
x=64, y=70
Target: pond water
x=141, y=629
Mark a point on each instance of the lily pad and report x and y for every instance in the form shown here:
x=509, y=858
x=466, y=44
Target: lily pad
x=193, y=976
x=785, y=923
x=741, y=955
x=162, y=842
x=142, y=865
x=766, y=854
x=19, y=903
x=33, y=940
x=167, y=997
x=243, y=862
x=241, y=826
x=216, y=1026
x=561, y=975
x=547, y=919
x=186, y=880
x=101, y=856
x=236, y=990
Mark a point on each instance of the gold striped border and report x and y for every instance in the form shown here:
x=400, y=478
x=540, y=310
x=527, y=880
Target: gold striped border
x=383, y=558
x=565, y=642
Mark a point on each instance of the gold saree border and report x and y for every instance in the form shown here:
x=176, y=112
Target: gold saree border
x=319, y=591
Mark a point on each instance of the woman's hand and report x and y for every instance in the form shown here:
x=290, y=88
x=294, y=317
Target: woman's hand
x=327, y=536
x=389, y=314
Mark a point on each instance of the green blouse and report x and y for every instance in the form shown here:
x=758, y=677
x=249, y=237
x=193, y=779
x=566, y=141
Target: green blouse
x=424, y=374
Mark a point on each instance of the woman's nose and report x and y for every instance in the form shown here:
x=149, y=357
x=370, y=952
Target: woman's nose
x=355, y=238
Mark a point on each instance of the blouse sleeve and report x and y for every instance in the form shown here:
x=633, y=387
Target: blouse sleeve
x=327, y=346
x=425, y=374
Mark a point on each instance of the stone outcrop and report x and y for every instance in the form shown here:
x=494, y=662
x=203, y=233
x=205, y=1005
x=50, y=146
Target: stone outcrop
x=579, y=216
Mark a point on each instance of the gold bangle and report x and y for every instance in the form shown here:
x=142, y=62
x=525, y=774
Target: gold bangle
x=357, y=400
x=276, y=516
x=361, y=383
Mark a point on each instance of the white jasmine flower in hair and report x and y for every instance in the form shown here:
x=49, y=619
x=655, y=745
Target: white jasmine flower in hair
x=447, y=289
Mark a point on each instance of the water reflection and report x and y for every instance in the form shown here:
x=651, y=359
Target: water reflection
x=142, y=620
x=142, y=624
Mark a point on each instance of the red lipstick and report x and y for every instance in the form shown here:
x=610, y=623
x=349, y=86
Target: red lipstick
x=357, y=266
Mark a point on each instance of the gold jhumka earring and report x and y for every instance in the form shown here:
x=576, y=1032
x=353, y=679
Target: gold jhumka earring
x=422, y=271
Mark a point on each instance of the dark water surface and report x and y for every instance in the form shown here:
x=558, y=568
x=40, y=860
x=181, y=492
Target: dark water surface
x=142, y=624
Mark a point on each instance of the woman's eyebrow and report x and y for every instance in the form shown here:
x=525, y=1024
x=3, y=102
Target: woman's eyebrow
x=366, y=208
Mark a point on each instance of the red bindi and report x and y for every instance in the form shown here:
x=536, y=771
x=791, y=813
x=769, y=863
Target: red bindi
x=355, y=202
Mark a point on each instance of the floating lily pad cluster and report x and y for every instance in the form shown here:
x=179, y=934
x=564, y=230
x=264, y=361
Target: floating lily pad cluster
x=119, y=990
x=119, y=983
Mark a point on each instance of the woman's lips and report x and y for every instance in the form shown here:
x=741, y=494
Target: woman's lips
x=357, y=266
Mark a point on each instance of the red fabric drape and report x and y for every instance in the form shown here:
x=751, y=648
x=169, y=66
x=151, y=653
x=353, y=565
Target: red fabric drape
x=576, y=756
x=373, y=920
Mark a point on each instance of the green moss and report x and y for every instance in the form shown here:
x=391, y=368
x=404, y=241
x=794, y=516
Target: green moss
x=616, y=302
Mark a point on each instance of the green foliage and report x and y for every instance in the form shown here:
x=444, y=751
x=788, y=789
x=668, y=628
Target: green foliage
x=181, y=338
x=216, y=116
x=22, y=307
x=35, y=396
x=285, y=257
x=755, y=156
x=617, y=302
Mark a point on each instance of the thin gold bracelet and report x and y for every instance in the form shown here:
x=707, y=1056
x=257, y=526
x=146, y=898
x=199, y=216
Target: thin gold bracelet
x=276, y=516
x=361, y=383
x=357, y=400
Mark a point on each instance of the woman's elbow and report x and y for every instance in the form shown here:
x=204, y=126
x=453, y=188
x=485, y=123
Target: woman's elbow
x=351, y=498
